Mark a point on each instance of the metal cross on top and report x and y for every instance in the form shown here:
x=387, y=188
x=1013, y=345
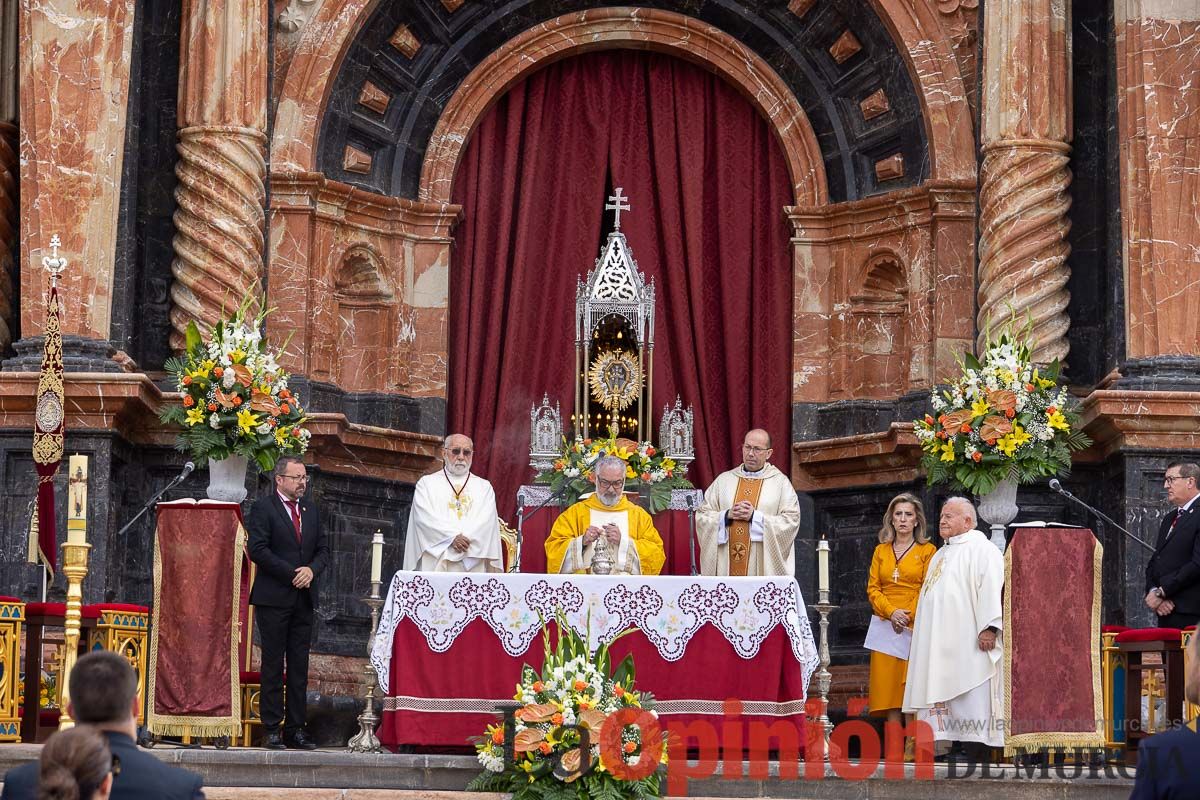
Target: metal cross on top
x=617, y=203
x=54, y=264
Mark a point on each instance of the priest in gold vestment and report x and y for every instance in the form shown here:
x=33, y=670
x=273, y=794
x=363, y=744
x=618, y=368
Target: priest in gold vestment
x=633, y=543
x=748, y=522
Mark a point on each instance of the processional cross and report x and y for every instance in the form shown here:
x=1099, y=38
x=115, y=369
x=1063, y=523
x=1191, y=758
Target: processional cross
x=617, y=203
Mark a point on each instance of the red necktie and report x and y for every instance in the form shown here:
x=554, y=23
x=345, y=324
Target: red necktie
x=295, y=513
x=1178, y=514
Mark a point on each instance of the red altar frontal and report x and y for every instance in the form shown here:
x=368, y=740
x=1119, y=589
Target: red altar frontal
x=450, y=647
x=671, y=523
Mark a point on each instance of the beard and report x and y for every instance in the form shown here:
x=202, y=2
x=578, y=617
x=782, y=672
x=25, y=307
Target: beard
x=610, y=498
x=458, y=470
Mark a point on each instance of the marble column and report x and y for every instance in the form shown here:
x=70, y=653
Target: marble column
x=1158, y=122
x=219, y=239
x=75, y=57
x=1023, y=198
x=9, y=170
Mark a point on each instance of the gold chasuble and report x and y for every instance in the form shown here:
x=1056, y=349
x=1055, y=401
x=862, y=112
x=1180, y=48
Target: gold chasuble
x=565, y=542
x=739, y=531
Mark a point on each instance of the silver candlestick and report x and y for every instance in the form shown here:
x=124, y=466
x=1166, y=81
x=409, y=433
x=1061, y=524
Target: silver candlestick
x=824, y=677
x=365, y=740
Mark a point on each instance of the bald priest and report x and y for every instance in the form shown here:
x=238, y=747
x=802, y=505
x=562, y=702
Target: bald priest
x=633, y=544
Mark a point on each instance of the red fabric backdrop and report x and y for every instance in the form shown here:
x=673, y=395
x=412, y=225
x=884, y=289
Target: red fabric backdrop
x=707, y=183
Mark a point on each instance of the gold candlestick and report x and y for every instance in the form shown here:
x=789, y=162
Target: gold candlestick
x=75, y=567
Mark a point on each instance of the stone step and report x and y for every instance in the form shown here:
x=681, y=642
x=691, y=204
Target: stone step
x=239, y=774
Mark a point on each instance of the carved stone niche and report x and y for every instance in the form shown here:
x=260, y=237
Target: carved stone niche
x=365, y=324
x=874, y=345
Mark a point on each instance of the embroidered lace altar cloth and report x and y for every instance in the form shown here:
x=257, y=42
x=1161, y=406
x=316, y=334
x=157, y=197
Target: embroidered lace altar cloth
x=450, y=647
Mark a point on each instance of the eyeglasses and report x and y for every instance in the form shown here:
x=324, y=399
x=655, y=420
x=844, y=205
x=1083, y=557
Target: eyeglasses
x=301, y=478
x=749, y=448
x=617, y=484
x=459, y=451
x=1169, y=479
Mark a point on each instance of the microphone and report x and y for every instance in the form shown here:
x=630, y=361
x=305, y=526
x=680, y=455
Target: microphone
x=1058, y=487
x=188, y=469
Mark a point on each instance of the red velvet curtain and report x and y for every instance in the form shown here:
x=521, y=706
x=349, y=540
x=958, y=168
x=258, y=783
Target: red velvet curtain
x=707, y=183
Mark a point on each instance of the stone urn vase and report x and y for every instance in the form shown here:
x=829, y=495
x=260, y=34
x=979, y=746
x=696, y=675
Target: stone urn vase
x=227, y=479
x=999, y=507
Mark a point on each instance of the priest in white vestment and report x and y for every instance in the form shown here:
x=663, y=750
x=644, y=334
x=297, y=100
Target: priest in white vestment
x=453, y=526
x=748, y=521
x=955, y=665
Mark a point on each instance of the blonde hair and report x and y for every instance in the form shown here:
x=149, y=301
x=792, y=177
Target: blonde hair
x=888, y=533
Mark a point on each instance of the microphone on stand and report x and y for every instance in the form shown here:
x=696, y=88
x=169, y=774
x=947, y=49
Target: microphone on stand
x=188, y=469
x=1057, y=486
x=522, y=515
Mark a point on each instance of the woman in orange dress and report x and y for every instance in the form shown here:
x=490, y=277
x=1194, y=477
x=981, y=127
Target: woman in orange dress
x=893, y=585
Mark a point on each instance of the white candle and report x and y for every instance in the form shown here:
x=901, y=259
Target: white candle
x=823, y=565
x=377, y=557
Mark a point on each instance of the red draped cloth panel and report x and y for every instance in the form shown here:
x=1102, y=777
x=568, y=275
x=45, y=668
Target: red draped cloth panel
x=708, y=184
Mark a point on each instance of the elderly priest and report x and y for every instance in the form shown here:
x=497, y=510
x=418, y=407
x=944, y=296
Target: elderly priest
x=955, y=669
x=633, y=545
x=453, y=526
x=748, y=522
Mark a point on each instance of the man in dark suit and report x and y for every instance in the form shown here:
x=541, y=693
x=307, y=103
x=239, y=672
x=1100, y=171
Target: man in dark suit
x=103, y=690
x=287, y=545
x=1168, y=765
x=1173, y=572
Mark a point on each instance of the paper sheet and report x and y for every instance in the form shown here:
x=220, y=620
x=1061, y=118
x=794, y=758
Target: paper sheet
x=883, y=639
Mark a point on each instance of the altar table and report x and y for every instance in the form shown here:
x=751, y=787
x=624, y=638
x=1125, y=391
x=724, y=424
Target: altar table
x=671, y=523
x=450, y=647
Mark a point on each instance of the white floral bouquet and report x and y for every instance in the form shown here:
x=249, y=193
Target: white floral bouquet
x=1003, y=418
x=236, y=399
x=578, y=732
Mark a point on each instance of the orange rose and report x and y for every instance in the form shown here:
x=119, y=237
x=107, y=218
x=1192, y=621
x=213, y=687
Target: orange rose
x=1051, y=410
x=1012, y=412
x=584, y=705
x=284, y=393
x=650, y=451
x=189, y=401
x=1029, y=387
x=941, y=419
x=619, y=690
x=964, y=428
x=977, y=456
x=545, y=748
x=928, y=420
x=992, y=442
x=295, y=433
x=498, y=736
x=187, y=380
x=285, y=409
x=212, y=406
x=630, y=747
x=942, y=435
x=557, y=719
x=580, y=685
x=645, y=476
x=237, y=399
x=219, y=371
x=539, y=687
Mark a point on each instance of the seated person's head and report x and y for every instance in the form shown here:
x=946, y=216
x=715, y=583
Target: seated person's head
x=103, y=690
x=75, y=764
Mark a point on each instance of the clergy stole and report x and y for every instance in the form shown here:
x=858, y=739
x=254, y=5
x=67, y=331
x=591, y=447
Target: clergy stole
x=739, y=530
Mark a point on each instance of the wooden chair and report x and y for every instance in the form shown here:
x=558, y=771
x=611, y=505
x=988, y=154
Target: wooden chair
x=12, y=619
x=37, y=723
x=508, y=537
x=123, y=628
x=1150, y=650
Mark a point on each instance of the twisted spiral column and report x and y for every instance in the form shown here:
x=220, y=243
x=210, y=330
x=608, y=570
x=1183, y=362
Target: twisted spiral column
x=219, y=224
x=1023, y=245
x=9, y=214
